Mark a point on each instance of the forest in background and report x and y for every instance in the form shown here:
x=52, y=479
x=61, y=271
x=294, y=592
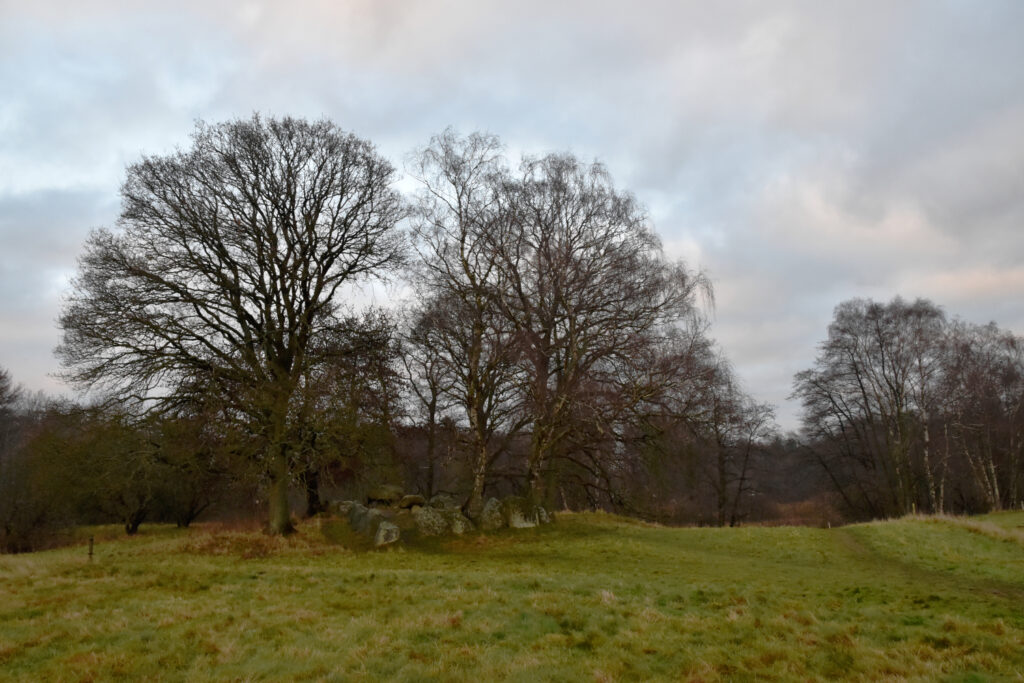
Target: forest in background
x=550, y=350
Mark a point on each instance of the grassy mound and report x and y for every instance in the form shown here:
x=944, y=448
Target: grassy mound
x=591, y=597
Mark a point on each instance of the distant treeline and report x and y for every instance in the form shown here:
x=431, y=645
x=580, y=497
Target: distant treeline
x=906, y=410
x=549, y=348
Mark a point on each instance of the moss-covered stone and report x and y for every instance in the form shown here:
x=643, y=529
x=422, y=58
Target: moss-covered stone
x=491, y=517
x=519, y=513
x=430, y=521
x=385, y=494
x=411, y=501
x=387, y=533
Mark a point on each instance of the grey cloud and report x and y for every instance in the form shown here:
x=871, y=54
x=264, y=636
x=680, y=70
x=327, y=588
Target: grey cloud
x=802, y=152
x=40, y=237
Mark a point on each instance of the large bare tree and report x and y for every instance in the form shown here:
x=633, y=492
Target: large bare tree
x=870, y=399
x=546, y=285
x=585, y=286
x=459, y=221
x=984, y=387
x=228, y=262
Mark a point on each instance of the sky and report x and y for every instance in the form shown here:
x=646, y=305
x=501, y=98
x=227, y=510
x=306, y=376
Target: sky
x=800, y=152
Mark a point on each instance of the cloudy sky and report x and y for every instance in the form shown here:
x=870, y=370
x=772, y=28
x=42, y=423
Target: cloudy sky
x=800, y=152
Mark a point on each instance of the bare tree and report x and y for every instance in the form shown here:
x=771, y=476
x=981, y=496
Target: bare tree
x=547, y=283
x=584, y=284
x=9, y=396
x=458, y=221
x=431, y=382
x=15, y=503
x=870, y=399
x=735, y=431
x=348, y=403
x=984, y=383
x=36, y=488
x=228, y=264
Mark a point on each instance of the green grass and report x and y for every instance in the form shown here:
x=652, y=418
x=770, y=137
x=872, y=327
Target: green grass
x=592, y=597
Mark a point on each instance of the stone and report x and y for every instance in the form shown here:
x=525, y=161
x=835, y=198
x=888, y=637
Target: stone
x=542, y=516
x=387, y=533
x=518, y=513
x=385, y=494
x=443, y=500
x=411, y=501
x=404, y=520
x=430, y=522
x=491, y=517
x=458, y=523
x=364, y=520
x=340, y=507
x=355, y=511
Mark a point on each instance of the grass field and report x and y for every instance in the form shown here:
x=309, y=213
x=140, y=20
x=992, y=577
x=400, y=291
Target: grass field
x=591, y=597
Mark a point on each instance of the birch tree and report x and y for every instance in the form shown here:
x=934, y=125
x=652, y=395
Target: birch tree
x=458, y=221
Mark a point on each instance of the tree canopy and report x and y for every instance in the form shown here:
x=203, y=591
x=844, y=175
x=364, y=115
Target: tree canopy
x=226, y=266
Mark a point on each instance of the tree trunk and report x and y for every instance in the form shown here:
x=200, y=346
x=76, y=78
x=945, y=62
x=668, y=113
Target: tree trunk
x=543, y=424
x=191, y=512
x=475, y=504
x=431, y=446
x=478, y=425
x=280, y=512
x=997, y=499
x=933, y=495
x=134, y=521
x=535, y=466
x=722, y=488
x=740, y=488
x=1016, y=461
x=311, y=481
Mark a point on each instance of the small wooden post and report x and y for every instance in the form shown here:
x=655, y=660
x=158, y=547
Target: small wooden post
x=90, y=548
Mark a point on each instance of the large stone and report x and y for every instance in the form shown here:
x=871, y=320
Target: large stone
x=364, y=520
x=443, y=500
x=518, y=513
x=430, y=522
x=340, y=508
x=458, y=523
x=355, y=512
x=385, y=494
x=404, y=520
x=387, y=533
x=412, y=500
x=491, y=517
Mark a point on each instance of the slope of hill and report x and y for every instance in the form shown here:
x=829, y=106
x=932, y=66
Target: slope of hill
x=592, y=597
